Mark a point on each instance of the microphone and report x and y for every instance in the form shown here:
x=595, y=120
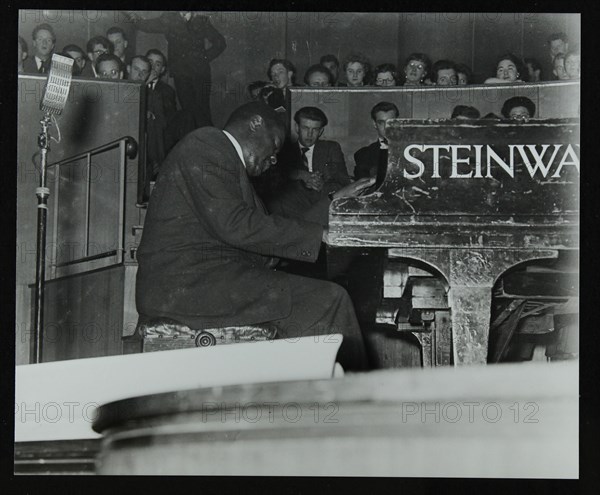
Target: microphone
x=57, y=88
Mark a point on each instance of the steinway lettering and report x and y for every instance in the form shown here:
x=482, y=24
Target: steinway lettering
x=472, y=161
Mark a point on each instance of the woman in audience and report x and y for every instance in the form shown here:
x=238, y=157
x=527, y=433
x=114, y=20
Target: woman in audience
x=465, y=75
x=518, y=108
x=509, y=69
x=385, y=75
x=416, y=69
x=357, y=68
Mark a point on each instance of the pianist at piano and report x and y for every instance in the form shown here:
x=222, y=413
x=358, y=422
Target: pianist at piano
x=460, y=251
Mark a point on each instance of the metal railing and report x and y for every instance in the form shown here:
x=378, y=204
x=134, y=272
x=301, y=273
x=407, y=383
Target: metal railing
x=127, y=148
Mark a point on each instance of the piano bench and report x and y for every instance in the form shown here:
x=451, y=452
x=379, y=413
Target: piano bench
x=165, y=334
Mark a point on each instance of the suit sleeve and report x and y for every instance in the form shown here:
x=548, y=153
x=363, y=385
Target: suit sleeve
x=340, y=175
x=217, y=41
x=361, y=168
x=156, y=25
x=211, y=186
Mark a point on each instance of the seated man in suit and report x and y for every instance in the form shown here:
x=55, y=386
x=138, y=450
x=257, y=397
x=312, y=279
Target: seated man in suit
x=370, y=159
x=313, y=168
x=208, y=244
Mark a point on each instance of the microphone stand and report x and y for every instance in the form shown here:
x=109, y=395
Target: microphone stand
x=53, y=102
x=42, y=194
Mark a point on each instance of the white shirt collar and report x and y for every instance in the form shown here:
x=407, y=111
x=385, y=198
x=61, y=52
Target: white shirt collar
x=237, y=146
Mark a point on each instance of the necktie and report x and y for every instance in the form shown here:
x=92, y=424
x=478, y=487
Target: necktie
x=304, y=150
x=42, y=69
x=383, y=144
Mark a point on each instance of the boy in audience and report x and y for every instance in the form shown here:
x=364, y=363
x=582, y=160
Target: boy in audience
x=21, y=54
x=370, y=159
x=558, y=67
x=118, y=38
x=519, y=108
x=313, y=168
x=44, y=40
x=464, y=112
x=108, y=66
x=573, y=65
x=464, y=75
x=80, y=64
x=444, y=73
x=333, y=64
x=318, y=76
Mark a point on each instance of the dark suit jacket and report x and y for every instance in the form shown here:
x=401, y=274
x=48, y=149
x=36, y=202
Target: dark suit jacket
x=30, y=67
x=188, y=55
x=368, y=160
x=207, y=245
x=168, y=97
x=327, y=159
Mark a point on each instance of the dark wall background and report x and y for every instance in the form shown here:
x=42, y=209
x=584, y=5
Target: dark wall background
x=253, y=38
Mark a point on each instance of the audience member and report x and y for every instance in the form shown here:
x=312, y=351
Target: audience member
x=314, y=168
x=357, y=69
x=78, y=55
x=491, y=116
x=96, y=46
x=573, y=65
x=108, y=66
x=21, y=54
x=465, y=112
x=534, y=70
x=187, y=33
x=558, y=67
x=557, y=43
x=318, y=76
x=254, y=89
x=416, y=68
x=370, y=159
x=464, y=74
x=443, y=73
x=385, y=75
x=518, y=108
x=333, y=64
x=509, y=69
x=118, y=38
x=43, y=43
x=178, y=122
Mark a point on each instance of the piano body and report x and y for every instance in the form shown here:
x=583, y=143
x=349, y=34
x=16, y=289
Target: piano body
x=470, y=199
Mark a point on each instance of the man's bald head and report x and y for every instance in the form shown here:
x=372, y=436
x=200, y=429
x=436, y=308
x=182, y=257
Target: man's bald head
x=260, y=132
x=243, y=115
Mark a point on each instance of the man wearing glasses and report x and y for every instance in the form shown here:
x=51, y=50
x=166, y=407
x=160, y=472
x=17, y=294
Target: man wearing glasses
x=97, y=46
x=108, y=66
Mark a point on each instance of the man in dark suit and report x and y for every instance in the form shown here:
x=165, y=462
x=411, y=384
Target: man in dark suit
x=44, y=40
x=370, y=159
x=178, y=122
x=312, y=168
x=187, y=33
x=208, y=242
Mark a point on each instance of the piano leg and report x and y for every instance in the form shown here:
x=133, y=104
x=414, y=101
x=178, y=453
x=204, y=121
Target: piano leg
x=472, y=274
x=471, y=310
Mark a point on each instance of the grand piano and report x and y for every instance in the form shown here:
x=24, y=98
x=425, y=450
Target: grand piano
x=479, y=206
x=471, y=200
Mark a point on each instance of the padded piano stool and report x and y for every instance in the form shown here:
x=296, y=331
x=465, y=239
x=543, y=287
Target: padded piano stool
x=165, y=334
